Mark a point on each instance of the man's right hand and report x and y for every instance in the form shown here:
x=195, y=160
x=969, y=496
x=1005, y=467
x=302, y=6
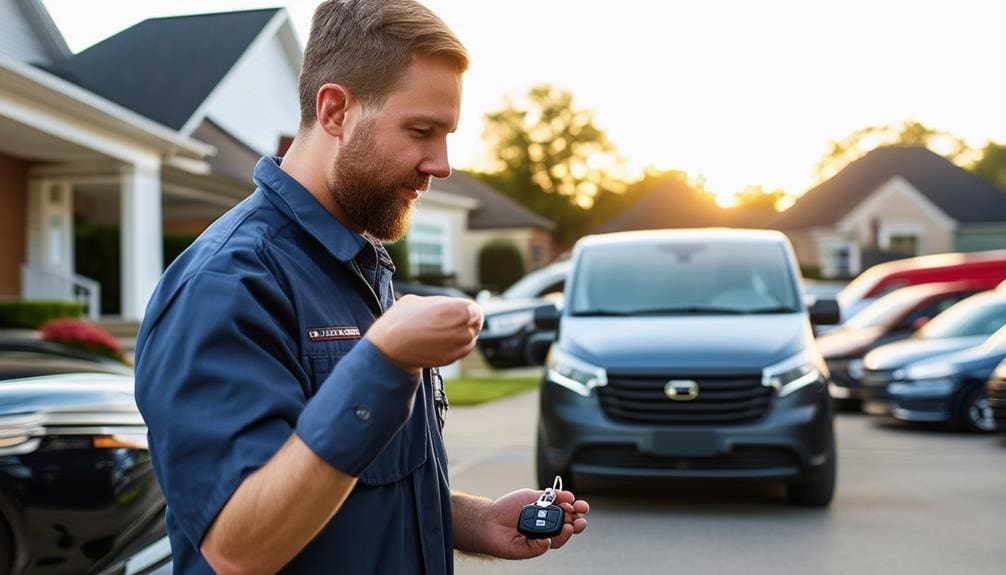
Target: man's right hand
x=420, y=332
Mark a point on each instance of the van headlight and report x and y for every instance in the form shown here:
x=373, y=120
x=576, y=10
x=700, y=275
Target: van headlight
x=573, y=373
x=795, y=372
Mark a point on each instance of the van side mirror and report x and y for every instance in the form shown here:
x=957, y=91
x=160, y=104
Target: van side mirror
x=546, y=317
x=825, y=312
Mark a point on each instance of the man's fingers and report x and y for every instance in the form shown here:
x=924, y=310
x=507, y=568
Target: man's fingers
x=561, y=539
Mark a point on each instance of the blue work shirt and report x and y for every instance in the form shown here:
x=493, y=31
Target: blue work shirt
x=255, y=333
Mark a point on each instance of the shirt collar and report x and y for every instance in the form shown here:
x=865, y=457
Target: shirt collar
x=293, y=199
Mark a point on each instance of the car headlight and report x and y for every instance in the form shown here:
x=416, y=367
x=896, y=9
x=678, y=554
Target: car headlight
x=507, y=323
x=930, y=371
x=795, y=372
x=573, y=373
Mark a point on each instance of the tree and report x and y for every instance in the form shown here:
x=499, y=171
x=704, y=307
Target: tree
x=992, y=165
x=909, y=133
x=551, y=157
x=757, y=198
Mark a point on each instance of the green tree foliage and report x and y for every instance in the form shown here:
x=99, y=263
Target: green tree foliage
x=500, y=265
x=909, y=133
x=551, y=157
x=992, y=165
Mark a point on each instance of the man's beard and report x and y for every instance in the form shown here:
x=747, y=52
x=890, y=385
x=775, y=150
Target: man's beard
x=368, y=193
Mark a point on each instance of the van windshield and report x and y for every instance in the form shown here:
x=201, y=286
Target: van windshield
x=678, y=278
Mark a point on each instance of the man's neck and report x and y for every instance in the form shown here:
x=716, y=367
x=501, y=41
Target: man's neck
x=306, y=164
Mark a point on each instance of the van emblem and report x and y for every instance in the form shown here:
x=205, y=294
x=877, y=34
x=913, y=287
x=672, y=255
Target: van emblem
x=681, y=390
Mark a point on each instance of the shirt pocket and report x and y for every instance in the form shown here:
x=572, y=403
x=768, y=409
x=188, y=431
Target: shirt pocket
x=406, y=451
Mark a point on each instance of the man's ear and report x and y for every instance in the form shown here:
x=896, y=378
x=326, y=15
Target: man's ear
x=331, y=105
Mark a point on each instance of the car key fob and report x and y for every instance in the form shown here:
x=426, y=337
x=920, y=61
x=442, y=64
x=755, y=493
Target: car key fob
x=542, y=519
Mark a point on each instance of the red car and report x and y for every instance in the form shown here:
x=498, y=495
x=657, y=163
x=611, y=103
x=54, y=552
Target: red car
x=987, y=269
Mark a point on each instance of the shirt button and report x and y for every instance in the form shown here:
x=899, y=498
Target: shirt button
x=363, y=413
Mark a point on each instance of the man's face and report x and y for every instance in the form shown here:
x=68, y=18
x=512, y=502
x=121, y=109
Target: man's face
x=393, y=152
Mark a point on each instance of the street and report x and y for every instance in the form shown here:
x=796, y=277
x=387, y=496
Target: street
x=908, y=501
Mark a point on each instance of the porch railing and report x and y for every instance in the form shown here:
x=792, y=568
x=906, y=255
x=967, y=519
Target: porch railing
x=43, y=283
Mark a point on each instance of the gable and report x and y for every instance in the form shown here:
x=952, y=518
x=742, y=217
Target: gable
x=27, y=33
x=262, y=86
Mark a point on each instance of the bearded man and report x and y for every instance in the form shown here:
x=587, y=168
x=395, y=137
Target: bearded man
x=294, y=423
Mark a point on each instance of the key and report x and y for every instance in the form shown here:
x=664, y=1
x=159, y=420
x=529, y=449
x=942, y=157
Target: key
x=542, y=519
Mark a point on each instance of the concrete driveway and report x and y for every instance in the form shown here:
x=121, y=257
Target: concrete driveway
x=908, y=501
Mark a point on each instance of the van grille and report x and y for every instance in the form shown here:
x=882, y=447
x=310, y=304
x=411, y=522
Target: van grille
x=721, y=399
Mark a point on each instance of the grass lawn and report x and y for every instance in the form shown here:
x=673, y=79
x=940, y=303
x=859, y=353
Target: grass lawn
x=466, y=391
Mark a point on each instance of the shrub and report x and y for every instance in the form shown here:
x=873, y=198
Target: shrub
x=84, y=336
x=500, y=265
x=399, y=252
x=34, y=313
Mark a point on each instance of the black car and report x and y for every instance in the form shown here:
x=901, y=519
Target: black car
x=77, y=490
x=687, y=354
x=996, y=391
x=509, y=335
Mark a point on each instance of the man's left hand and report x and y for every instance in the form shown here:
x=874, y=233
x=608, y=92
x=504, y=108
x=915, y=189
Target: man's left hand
x=499, y=526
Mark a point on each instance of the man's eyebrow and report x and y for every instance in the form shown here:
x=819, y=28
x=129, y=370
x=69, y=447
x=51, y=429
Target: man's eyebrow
x=434, y=120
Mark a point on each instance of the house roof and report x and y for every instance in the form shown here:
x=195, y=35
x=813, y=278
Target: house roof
x=963, y=196
x=495, y=210
x=670, y=204
x=164, y=68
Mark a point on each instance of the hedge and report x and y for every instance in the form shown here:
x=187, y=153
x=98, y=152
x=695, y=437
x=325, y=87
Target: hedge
x=32, y=314
x=500, y=265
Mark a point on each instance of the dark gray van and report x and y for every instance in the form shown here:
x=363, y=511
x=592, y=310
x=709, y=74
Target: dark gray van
x=687, y=354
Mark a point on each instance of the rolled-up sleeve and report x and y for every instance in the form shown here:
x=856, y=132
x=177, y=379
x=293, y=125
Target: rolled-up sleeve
x=221, y=389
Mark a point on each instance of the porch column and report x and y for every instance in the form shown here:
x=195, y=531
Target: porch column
x=142, y=260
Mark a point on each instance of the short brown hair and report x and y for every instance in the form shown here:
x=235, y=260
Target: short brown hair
x=366, y=46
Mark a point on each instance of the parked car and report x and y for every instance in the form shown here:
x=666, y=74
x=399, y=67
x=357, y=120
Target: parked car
x=965, y=325
x=949, y=389
x=509, y=333
x=996, y=392
x=986, y=268
x=420, y=289
x=687, y=354
x=892, y=317
x=77, y=490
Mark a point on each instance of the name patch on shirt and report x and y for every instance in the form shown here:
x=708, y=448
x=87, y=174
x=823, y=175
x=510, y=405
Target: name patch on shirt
x=330, y=333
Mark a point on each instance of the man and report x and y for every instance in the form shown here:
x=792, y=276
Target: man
x=294, y=423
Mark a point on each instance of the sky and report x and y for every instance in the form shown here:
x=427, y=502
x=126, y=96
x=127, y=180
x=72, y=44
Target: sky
x=739, y=92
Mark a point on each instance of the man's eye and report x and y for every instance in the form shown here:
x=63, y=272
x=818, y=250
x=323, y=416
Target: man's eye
x=421, y=132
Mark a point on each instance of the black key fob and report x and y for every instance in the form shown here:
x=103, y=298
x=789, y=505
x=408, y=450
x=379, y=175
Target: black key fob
x=537, y=522
x=542, y=519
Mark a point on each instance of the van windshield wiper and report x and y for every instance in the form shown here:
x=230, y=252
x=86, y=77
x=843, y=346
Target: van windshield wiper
x=683, y=310
x=601, y=313
x=767, y=310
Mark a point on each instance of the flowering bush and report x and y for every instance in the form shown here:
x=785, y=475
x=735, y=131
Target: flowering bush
x=84, y=336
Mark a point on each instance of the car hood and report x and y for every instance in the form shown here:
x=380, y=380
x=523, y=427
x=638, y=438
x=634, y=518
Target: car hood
x=845, y=342
x=703, y=344
x=68, y=393
x=902, y=353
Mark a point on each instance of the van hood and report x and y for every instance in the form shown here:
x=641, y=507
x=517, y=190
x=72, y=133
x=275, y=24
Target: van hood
x=701, y=344
x=902, y=353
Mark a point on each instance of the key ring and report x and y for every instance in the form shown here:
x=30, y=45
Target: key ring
x=548, y=497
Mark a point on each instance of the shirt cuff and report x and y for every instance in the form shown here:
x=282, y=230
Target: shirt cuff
x=359, y=408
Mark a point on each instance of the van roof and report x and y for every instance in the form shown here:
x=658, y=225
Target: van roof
x=727, y=235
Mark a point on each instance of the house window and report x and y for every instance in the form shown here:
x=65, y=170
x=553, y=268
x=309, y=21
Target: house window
x=907, y=244
x=426, y=248
x=537, y=259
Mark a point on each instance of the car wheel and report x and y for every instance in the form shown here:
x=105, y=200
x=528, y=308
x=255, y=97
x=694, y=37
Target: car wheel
x=545, y=472
x=819, y=491
x=975, y=412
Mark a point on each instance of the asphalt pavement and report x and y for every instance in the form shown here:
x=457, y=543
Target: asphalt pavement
x=909, y=500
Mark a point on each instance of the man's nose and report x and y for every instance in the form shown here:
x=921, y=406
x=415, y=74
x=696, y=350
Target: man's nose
x=436, y=163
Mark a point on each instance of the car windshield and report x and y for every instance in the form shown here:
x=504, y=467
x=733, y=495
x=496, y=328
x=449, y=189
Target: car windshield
x=979, y=315
x=671, y=278
x=888, y=308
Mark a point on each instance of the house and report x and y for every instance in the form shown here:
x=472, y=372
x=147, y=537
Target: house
x=151, y=131
x=895, y=201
